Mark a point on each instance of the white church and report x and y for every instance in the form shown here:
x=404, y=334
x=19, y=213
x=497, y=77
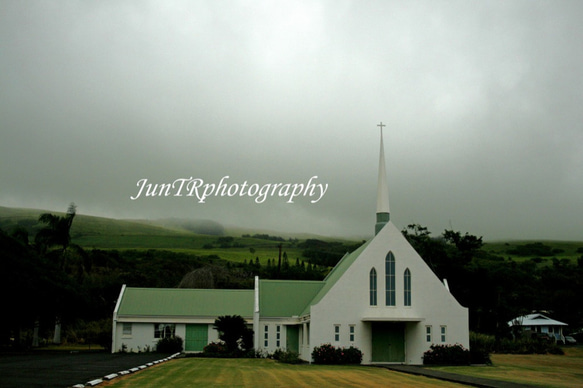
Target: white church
x=381, y=298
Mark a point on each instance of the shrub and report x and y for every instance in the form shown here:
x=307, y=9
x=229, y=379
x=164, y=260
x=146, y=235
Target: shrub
x=325, y=354
x=288, y=357
x=350, y=355
x=446, y=355
x=481, y=345
x=215, y=349
x=328, y=354
x=169, y=345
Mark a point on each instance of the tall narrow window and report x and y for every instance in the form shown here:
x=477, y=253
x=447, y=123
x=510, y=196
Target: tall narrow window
x=390, y=279
x=373, y=287
x=277, y=335
x=351, y=333
x=428, y=333
x=337, y=333
x=443, y=333
x=407, y=287
x=266, y=336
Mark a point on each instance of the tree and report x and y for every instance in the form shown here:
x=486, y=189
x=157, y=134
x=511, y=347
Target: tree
x=56, y=232
x=233, y=331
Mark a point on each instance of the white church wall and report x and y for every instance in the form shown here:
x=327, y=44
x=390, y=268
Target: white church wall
x=347, y=303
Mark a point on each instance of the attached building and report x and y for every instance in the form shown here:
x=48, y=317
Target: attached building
x=381, y=298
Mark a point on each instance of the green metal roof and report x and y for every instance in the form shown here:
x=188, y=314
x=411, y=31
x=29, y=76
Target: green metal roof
x=286, y=298
x=182, y=302
x=334, y=275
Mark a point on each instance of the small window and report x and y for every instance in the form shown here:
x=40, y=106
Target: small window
x=277, y=335
x=428, y=333
x=127, y=328
x=351, y=333
x=443, y=333
x=337, y=333
x=164, y=330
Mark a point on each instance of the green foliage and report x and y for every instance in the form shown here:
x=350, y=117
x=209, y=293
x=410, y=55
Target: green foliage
x=325, y=253
x=446, y=355
x=536, y=249
x=486, y=344
x=235, y=334
x=215, y=349
x=328, y=354
x=287, y=356
x=481, y=346
x=169, y=345
x=497, y=290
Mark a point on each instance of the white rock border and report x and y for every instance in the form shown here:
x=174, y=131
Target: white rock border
x=112, y=376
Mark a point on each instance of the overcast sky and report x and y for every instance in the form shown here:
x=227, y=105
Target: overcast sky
x=482, y=101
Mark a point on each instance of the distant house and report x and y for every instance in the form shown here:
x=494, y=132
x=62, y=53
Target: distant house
x=381, y=298
x=537, y=324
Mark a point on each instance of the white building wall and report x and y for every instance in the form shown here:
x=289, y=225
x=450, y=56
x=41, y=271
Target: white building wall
x=142, y=337
x=272, y=335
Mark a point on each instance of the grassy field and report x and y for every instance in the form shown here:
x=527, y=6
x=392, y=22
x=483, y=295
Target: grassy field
x=543, y=370
x=569, y=249
x=253, y=373
x=193, y=244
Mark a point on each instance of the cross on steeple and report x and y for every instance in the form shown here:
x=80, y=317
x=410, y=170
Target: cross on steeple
x=381, y=125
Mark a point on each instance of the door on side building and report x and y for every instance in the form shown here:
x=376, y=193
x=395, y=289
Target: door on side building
x=196, y=337
x=292, y=338
x=388, y=342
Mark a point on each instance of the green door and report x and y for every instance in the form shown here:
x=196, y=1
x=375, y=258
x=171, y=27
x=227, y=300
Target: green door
x=388, y=342
x=292, y=338
x=196, y=337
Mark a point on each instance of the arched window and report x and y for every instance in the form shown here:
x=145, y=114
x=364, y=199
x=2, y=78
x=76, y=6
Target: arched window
x=373, y=287
x=390, y=279
x=407, y=287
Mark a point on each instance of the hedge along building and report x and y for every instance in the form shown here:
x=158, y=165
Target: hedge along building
x=381, y=298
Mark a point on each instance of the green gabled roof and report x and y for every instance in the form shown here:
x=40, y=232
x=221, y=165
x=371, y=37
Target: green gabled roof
x=286, y=298
x=334, y=275
x=182, y=302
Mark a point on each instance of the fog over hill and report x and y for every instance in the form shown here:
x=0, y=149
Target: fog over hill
x=481, y=102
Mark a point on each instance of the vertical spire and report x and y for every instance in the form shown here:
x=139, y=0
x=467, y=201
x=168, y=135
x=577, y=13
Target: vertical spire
x=383, y=213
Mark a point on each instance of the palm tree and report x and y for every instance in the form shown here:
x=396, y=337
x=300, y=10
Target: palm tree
x=57, y=229
x=56, y=232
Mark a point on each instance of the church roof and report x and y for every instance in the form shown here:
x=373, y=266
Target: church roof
x=183, y=302
x=335, y=274
x=286, y=298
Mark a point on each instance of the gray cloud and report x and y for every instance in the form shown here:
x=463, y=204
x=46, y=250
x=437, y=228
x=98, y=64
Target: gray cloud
x=482, y=102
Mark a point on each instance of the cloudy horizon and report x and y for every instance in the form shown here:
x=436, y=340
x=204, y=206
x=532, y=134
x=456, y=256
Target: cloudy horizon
x=481, y=102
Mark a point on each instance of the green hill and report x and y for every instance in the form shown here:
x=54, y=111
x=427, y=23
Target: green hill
x=176, y=235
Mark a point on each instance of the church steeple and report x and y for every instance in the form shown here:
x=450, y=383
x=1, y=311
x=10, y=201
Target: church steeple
x=383, y=213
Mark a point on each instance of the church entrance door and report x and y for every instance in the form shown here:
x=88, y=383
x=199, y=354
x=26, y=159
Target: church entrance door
x=388, y=342
x=196, y=337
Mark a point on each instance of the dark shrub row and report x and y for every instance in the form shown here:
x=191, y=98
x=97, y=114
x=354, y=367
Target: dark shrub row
x=328, y=354
x=446, y=355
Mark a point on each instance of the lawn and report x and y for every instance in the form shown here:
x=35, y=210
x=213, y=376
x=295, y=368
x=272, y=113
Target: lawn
x=543, y=370
x=202, y=372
